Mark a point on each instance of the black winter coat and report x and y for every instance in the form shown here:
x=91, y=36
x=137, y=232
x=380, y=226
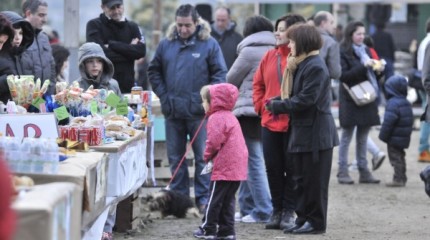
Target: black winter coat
x=396, y=128
x=228, y=42
x=312, y=126
x=118, y=35
x=350, y=115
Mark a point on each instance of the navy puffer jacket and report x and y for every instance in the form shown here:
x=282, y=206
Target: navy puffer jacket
x=398, y=118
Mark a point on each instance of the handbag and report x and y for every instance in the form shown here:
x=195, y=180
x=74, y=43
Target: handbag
x=362, y=93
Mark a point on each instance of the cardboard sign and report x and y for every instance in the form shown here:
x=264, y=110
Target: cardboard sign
x=29, y=125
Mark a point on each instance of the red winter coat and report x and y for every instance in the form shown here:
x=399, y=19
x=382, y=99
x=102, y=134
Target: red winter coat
x=267, y=85
x=7, y=216
x=225, y=144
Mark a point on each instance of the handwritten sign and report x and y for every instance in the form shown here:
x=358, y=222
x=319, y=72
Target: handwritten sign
x=29, y=125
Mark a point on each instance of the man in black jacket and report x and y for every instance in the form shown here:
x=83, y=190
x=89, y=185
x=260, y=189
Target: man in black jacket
x=223, y=30
x=120, y=39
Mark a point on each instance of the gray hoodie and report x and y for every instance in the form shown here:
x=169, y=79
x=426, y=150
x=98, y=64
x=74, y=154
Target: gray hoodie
x=105, y=81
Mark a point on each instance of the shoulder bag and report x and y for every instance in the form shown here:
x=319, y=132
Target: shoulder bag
x=362, y=93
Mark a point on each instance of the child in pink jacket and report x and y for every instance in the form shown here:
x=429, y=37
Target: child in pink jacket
x=225, y=146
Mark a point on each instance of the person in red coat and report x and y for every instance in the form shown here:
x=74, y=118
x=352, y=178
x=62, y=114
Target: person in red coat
x=7, y=215
x=226, y=148
x=279, y=166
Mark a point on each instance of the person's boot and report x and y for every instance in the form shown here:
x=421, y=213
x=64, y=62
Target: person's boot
x=275, y=220
x=424, y=156
x=288, y=219
x=343, y=177
x=367, y=177
x=396, y=183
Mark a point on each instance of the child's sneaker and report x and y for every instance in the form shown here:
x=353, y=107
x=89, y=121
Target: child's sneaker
x=200, y=233
x=237, y=217
x=107, y=236
x=229, y=237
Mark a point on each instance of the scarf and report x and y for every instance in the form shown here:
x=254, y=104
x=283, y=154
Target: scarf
x=287, y=78
x=360, y=51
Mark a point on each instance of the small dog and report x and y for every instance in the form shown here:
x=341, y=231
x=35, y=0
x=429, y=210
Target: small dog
x=169, y=202
x=425, y=176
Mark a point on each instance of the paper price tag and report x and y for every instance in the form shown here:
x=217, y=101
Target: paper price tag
x=37, y=101
x=122, y=108
x=61, y=113
x=93, y=107
x=112, y=100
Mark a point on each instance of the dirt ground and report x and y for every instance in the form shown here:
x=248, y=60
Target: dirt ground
x=359, y=211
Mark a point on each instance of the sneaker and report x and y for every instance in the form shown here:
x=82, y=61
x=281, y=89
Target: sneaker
x=249, y=219
x=353, y=166
x=200, y=234
x=377, y=160
x=238, y=217
x=424, y=156
x=107, y=236
x=228, y=237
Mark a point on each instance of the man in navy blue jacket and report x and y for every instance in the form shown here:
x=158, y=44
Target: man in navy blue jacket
x=186, y=60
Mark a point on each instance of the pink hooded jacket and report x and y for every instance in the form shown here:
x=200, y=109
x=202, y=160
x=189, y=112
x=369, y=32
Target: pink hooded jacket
x=225, y=144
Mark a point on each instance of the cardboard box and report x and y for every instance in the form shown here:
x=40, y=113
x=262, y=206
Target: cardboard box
x=48, y=212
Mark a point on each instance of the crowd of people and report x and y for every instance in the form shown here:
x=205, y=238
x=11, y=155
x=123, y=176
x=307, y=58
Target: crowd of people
x=263, y=98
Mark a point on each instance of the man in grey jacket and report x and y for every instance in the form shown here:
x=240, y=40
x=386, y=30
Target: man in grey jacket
x=329, y=52
x=38, y=57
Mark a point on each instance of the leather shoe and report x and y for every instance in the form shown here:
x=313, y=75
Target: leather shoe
x=292, y=228
x=307, y=228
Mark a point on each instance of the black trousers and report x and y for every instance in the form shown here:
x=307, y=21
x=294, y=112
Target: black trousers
x=221, y=208
x=397, y=160
x=279, y=167
x=312, y=178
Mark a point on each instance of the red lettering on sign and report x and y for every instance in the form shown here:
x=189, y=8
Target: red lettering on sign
x=37, y=131
x=9, y=131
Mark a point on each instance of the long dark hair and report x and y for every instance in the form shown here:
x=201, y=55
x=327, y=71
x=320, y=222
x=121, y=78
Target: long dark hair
x=346, y=43
x=6, y=29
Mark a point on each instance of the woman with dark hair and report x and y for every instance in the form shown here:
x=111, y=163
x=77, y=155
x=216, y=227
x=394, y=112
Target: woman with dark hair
x=357, y=66
x=61, y=59
x=6, y=33
x=279, y=166
x=306, y=97
x=22, y=39
x=6, y=38
x=7, y=216
x=254, y=195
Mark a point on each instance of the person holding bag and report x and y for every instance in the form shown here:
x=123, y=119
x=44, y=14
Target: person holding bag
x=357, y=67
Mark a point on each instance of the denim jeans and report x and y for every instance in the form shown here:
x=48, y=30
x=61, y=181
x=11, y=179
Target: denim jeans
x=177, y=131
x=254, y=195
x=361, y=146
x=110, y=221
x=425, y=126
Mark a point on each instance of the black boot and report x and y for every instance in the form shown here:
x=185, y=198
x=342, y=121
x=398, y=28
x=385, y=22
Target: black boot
x=275, y=220
x=288, y=219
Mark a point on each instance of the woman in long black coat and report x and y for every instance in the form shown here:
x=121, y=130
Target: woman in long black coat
x=356, y=67
x=306, y=97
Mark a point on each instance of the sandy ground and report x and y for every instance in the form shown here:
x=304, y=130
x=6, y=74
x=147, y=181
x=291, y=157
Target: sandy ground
x=358, y=211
